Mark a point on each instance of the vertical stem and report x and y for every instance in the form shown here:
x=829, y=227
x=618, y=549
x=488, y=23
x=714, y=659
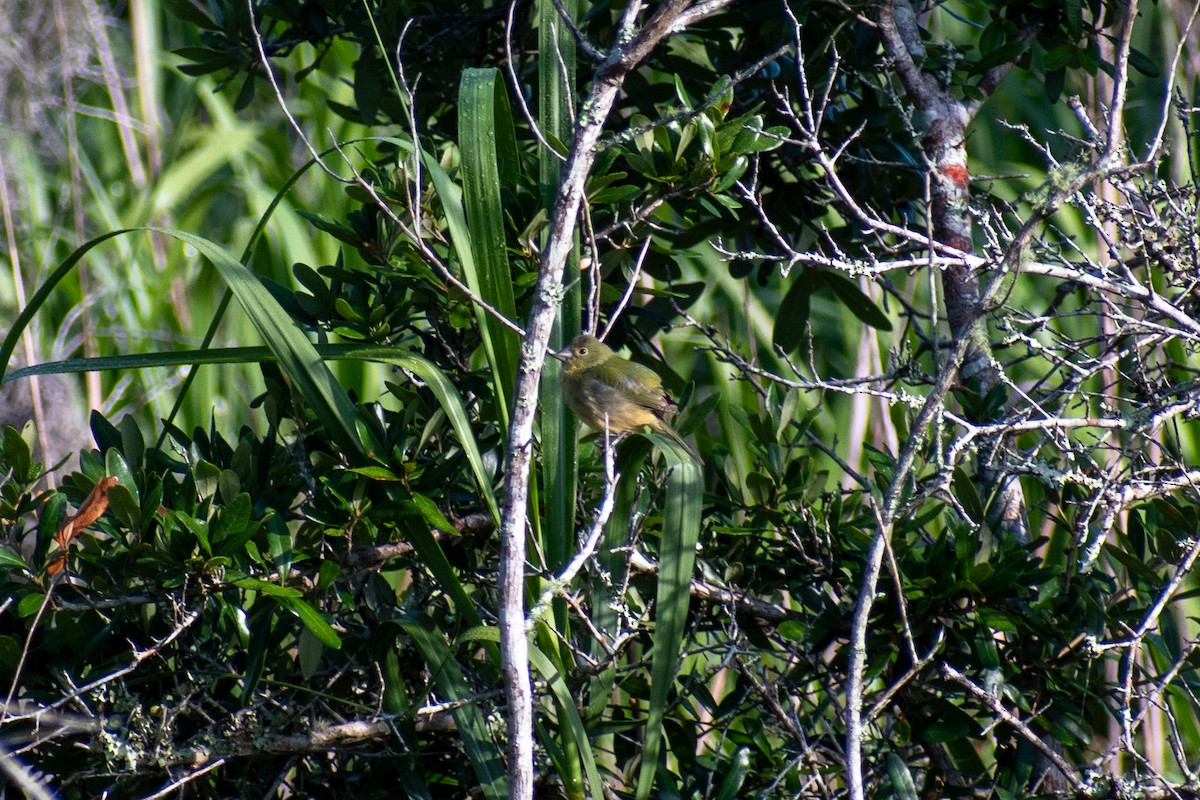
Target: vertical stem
x=631, y=47
x=514, y=646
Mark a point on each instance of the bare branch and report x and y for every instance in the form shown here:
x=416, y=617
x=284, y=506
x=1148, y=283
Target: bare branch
x=993, y=702
x=631, y=48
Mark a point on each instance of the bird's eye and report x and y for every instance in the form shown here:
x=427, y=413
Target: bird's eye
x=581, y=351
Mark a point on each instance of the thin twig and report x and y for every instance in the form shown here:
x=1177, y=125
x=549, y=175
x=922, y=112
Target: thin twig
x=993, y=702
x=630, y=285
x=590, y=542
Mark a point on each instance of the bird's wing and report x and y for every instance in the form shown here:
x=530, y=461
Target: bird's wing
x=638, y=382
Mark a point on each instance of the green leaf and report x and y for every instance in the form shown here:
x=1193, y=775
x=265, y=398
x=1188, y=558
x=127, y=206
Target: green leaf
x=998, y=621
x=267, y=588
x=1059, y=57
x=733, y=170
x=17, y=453
x=964, y=757
x=1143, y=63
x=859, y=304
x=229, y=486
x=948, y=722
x=1073, y=11
x=1004, y=54
x=367, y=88
x=432, y=515
x=279, y=542
x=233, y=527
x=376, y=473
x=903, y=787
x=11, y=561
x=616, y=194
x=993, y=35
x=115, y=466
x=197, y=527
x=308, y=653
x=1137, y=568
x=684, y=98
x=731, y=785
x=124, y=507
x=968, y=495
x=480, y=633
x=313, y=621
x=10, y=654
x=792, y=319
x=1054, y=82
x=29, y=605
x=245, y=94
x=446, y=393
x=792, y=629
x=104, y=432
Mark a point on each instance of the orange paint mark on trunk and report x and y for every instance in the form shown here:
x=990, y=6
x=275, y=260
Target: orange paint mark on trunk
x=956, y=173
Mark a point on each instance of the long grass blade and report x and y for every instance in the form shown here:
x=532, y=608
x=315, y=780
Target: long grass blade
x=570, y=719
x=489, y=162
x=445, y=392
x=296, y=354
x=560, y=450
x=451, y=402
x=556, y=84
x=260, y=229
x=676, y=558
x=472, y=727
x=38, y=298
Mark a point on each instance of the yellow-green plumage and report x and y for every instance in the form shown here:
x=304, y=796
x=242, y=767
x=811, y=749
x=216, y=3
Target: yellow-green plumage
x=611, y=393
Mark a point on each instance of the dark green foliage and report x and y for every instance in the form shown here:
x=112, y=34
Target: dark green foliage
x=242, y=572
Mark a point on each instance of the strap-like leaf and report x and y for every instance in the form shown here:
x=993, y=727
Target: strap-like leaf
x=489, y=161
x=472, y=727
x=570, y=717
x=676, y=558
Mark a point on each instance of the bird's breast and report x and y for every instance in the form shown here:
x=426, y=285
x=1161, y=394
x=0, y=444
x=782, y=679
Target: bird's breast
x=598, y=403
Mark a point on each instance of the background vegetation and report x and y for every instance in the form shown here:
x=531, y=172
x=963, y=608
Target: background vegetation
x=924, y=278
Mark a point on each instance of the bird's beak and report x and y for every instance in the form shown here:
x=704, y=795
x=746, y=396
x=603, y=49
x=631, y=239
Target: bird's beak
x=563, y=355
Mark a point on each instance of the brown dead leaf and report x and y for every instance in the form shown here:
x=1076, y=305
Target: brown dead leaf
x=92, y=509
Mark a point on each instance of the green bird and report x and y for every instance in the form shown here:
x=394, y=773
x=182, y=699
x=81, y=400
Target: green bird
x=611, y=393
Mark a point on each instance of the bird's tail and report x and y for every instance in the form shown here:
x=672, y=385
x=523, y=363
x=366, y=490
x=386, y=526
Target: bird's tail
x=665, y=429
